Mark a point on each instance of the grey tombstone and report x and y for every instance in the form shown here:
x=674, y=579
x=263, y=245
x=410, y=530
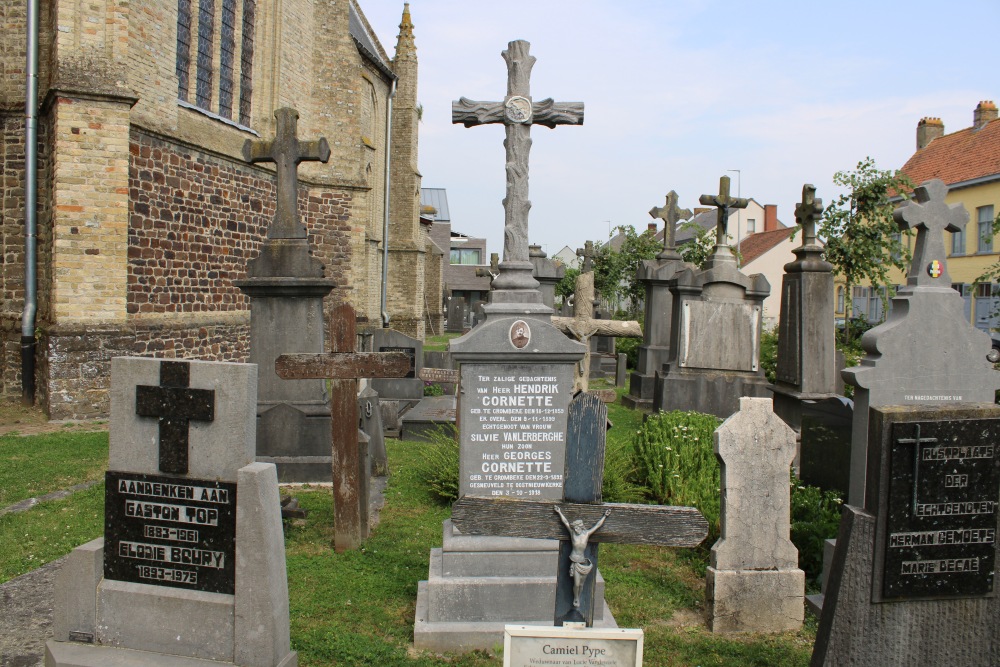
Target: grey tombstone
x=398, y=395
x=370, y=415
x=547, y=272
x=654, y=275
x=427, y=417
x=191, y=567
x=716, y=328
x=456, y=314
x=825, y=444
x=913, y=575
x=286, y=286
x=806, y=352
x=516, y=374
x=754, y=583
x=925, y=352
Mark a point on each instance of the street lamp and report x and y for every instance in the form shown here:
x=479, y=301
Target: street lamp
x=739, y=212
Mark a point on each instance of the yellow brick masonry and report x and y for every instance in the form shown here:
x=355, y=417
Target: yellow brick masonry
x=90, y=211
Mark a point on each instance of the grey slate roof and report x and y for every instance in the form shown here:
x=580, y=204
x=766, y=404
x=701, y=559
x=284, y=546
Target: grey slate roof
x=366, y=43
x=438, y=198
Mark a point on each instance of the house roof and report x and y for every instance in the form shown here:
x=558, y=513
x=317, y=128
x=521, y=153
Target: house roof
x=437, y=198
x=758, y=243
x=959, y=157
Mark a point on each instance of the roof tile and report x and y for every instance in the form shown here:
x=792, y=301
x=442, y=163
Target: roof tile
x=957, y=157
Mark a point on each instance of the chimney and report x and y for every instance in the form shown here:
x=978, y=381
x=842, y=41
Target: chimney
x=984, y=113
x=770, y=217
x=928, y=129
x=651, y=227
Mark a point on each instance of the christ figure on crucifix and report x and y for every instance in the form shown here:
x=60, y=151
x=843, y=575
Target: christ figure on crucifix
x=580, y=566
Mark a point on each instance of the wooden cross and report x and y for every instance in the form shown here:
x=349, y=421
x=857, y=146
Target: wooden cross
x=286, y=151
x=175, y=404
x=723, y=202
x=622, y=523
x=808, y=211
x=671, y=214
x=518, y=113
x=582, y=326
x=344, y=366
x=930, y=216
x=587, y=253
x=494, y=269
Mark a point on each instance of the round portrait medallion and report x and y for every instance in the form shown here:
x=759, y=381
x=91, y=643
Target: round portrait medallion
x=520, y=334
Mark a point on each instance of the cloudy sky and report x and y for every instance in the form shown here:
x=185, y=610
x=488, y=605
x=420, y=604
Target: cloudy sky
x=678, y=92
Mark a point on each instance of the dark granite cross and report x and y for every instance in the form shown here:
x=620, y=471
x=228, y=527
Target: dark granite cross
x=671, y=214
x=518, y=113
x=584, y=472
x=175, y=405
x=286, y=151
x=916, y=440
x=807, y=212
x=723, y=202
x=587, y=253
x=931, y=217
x=343, y=366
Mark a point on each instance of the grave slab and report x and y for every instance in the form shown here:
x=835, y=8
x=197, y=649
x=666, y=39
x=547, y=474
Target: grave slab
x=428, y=416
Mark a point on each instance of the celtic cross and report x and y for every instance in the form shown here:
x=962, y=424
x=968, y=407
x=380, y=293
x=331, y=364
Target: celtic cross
x=930, y=216
x=671, y=214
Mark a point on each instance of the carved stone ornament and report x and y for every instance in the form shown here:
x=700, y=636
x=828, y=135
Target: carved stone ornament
x=520, y=334
x=518, y=110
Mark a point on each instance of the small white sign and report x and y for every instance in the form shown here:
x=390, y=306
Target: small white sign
x=549, y=646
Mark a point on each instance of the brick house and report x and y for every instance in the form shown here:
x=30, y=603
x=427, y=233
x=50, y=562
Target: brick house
x=146, y=210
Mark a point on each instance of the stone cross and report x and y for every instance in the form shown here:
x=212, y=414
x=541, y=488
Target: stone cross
x=930, y=216
x=808, y=211
x=344, y=366
x=671, y=214
x=175, y=405
x=518, y=113
x=623, y=523
x=286, y=151
x=587, y=253
x=723, y=202
x=582, y=326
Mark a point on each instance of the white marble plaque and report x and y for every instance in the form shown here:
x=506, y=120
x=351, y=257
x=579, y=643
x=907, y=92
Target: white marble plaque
x=534, y=646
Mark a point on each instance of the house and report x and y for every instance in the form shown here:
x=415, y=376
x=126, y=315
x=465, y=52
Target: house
x=568, y=257
x=147, y=211
x=467, y=257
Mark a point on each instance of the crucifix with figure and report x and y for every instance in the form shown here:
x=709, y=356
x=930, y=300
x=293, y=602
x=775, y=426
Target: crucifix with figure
x=670, y=213
x=343, y=366
x=723, y=202
x=517, y=113
x=581, y=520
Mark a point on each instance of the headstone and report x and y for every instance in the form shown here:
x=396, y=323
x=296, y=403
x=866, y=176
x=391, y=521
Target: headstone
x=754, y=583
x=342, y=366
x=370, y=415
x=427, y=417
x=478, y=312
x=547, y=272
x=286, y=286
x=410, y=388
x=925, y=352
x=716, y=328
x=191, y=567
x=654, y=274
x=825, y=444
x=913, y=576
x=456, y=314
x=621, y=369
x=516, y=379
x=806, y=351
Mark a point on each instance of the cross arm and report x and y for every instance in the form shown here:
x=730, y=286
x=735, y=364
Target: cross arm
x=312, y=151
x=615, y=328
x=626, y=524
x=255, y=150
x=550, y=113
x=342, y=365
x=470, y=112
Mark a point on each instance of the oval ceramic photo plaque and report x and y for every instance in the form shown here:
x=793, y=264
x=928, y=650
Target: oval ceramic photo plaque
x=520, y=334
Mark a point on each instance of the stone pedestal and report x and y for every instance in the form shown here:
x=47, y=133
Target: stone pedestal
x=286, y=289
x=547, y=272
x=655, y=349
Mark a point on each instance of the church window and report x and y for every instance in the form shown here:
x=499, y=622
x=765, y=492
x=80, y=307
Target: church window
x=206, y=36
x=227, y=57
x=183, y=47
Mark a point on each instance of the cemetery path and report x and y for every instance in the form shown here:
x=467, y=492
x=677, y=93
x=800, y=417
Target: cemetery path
x=26, y=616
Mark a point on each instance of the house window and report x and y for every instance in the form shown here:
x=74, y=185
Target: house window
x=958, y=243
x=226, y=25
x=984, y=218
x=897, y=246
x=751, y=225
x=840, y=299
x=466, y=256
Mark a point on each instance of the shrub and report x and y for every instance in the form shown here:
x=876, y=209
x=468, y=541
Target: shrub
x=630, y=348
x=769, y=353
x=619, y=485
x=674, y=459
x=438, y=466
x=433, y=389
x=815, y=519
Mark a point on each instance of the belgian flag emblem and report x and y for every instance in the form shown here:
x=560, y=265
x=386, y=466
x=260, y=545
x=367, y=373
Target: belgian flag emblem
x=934, y=269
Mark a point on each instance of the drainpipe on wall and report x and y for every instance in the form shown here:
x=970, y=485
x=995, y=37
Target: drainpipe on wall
x=385, y=222
x=30, y=211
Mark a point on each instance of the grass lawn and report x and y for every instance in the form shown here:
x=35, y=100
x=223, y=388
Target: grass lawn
x=439, y=343
x=357, y=608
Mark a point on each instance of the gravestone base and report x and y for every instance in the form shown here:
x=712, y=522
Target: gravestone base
x=712, y=392
x=789, y=404
x=640, y=392
x=755, y=600
x=916, y=632
x=304, y=458
x=476, y=585
x=430, y=415
x=101, y=622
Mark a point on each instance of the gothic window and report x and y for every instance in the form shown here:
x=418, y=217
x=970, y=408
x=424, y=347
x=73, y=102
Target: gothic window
x=183, y=47
x=206, y=36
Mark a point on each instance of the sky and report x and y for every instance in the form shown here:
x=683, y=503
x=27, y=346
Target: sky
x=678, y=93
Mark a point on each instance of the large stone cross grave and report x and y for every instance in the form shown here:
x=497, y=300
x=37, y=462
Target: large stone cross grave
x=670, y=213
x=580, y=511
x=518, y=113
x=931, y=217
x=344, y=366
x=723, y=202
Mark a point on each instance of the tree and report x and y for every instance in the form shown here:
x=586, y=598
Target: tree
x=567, y=286
x=862, y=240
x=615, y=270
x=697, y=250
